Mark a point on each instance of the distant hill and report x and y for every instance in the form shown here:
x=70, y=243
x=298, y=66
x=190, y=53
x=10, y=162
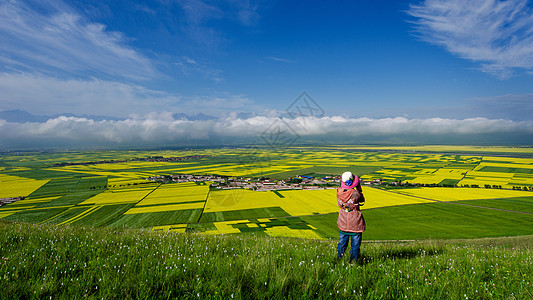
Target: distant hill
x=21, y=116
x=195, y=117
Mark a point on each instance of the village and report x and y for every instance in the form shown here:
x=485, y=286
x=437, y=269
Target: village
x=299, y=182
x=9, y=200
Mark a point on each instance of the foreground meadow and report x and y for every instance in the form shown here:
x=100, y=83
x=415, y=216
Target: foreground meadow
x=42, y=261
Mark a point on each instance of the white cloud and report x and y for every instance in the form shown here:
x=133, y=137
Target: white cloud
x=498, y=34
x=57, y=39
x=159, y=129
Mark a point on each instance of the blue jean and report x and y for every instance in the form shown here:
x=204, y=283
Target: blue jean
x=354, y=247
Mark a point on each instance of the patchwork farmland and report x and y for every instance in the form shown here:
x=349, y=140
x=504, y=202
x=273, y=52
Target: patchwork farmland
x=411, y=192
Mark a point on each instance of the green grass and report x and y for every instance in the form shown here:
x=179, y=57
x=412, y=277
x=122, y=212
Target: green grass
x=434, y=220
x=506, y=170
x=104, y=216
x=523, y=204
x=449, y=182
x=67, y=214
x=74, y=262
x=35, y=215
x=158, y=218
x=56, y=187
x=443, y=220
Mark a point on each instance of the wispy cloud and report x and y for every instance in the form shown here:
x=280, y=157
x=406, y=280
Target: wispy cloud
x=57, y=39
x=158, y=129
x=200, y=18
x=247, y=11
x=498, y=34
x=189, y=66
x=47, y=95
x=279, y=59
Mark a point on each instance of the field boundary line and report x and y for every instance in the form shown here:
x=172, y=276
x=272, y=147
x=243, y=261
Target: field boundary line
x=146, y=195
x=205, y=204
x=82, y=215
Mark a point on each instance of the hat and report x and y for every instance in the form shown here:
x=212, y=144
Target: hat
x=349, y=180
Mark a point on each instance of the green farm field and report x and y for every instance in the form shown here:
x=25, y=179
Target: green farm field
x=454, y=192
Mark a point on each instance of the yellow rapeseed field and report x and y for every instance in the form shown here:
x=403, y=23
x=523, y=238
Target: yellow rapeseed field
x=176, y=193
x=275, y=231
x=491, y=178
x=180, y=228
x=166, y=207
x=284, y=231
x=376, y=198
x=121, y=196
x=300, y=202
x=14, y=186
x=225, y=227
x=522, y=179
x=237, y=199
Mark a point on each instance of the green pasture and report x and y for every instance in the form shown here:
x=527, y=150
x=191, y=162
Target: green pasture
x=243, y=214
x=158, y=218
x=521, y=204
x=104, y=216
x=507, y=170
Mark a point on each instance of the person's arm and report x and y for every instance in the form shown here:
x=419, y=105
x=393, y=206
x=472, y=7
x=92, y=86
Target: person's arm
x=340, y=203
x=359, y=197
x=353, y=205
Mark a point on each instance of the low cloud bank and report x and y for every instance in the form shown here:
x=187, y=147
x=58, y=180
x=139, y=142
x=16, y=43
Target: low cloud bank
x=71, y=131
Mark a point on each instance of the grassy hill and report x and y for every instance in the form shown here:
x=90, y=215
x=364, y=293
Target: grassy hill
x=43, y=261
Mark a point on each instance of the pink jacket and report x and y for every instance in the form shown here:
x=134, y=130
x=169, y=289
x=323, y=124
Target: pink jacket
x=351, y=221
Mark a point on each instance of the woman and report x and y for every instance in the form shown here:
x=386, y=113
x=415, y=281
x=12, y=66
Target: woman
x=351, y=222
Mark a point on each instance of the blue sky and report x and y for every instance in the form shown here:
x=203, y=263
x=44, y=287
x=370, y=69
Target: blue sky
x=378, y=60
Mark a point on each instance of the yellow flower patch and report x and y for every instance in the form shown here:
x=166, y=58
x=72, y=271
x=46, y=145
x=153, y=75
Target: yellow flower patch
x=376, y=198
x=176, y=193
x=119, y=196
x=300, y=202
x=163, y=208
x=180, y=228
x=283, y=231
x=14, y=186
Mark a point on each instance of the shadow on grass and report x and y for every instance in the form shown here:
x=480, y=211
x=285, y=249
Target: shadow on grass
x=397, y=252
